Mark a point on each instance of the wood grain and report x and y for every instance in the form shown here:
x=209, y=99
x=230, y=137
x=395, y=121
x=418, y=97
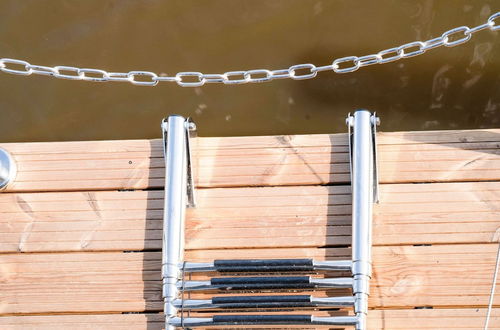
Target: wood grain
x=404, y=276
x=249, y=217
x=407, y=319
x=256, y=161
x=265, y=201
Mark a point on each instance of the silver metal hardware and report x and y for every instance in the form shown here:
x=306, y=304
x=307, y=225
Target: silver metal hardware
x=293, y=74
x=368, y=60
x=214, y=78
x=433, y=43
x=181, y=75
x=339, y=282
x=338, y=320
x=481, y=27
x=493, y=23
x=462, y=33
x=4, y=62
x=192, y=304
x=194, y=267
x=191, y=133
x=280, y=74
x=8, y=169
x=348, y=59
x=132, y=74
x=60, y=68
x=387, y=59
x=212, y=321
x=229, y=81
x=119, y=76
x=418, y=44
x=102, y=75
x=333, y=265
x=462, y=30
x=375, y=121
x=42, y=70
x=248, y=75
x=338, y=265
x=179, y=193
x=362, y=150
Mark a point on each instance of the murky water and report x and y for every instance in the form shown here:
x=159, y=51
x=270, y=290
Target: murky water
x=446, y=88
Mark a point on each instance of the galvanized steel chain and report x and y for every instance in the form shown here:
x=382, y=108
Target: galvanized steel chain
x=347, y=64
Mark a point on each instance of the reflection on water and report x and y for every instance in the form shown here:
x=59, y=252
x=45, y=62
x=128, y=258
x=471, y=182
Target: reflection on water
x=446, y=88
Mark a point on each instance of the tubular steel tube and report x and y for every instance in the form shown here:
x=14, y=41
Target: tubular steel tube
x=266, y=283
x=282, y=301
x=174, y=130
x=219, y=320
x=362, y=200
x=267, y=265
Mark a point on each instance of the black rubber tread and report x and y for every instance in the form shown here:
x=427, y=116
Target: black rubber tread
x=264, y=282
x=264, y=265
x=261, y=319
x=263, y=301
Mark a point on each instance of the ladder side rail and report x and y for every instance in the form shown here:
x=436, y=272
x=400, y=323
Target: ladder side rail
x=363, y=168
x=175, y=143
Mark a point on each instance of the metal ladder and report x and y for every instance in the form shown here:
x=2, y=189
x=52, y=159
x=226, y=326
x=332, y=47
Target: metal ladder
x=179, y=194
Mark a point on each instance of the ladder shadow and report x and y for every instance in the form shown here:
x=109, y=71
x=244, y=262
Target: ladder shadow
x=153, y=227
x=338, y=214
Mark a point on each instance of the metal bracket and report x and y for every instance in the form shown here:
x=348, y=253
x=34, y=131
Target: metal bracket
x=375, y=121
x=191, y=132
x=8, y=169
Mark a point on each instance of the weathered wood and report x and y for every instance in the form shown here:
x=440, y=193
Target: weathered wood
x=249, y=217
x=256, y=161
x=409, y=319
x=272, y=221
x=405, y=276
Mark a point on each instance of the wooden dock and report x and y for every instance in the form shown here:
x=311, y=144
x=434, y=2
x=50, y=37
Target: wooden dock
x=81, y=226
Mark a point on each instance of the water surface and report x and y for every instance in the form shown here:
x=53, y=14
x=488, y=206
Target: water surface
x=446, y=88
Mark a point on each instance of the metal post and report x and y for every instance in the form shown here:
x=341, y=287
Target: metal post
x=176, y=164
x=362, y=175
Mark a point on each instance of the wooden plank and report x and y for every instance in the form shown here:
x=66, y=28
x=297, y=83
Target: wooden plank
x=249, y=217
x=259, y=142
x=409, y=319
x=256, y=161
x=405, y=276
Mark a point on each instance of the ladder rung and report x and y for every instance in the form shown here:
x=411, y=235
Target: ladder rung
x=218, y=320
x=283, y=301
x=267, y=265
x=270, y=282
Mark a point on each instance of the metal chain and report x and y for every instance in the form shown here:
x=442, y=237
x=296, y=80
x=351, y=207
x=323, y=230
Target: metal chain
x=347, y=64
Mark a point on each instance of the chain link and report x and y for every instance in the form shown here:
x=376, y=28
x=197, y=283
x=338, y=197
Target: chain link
x=347, y=64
